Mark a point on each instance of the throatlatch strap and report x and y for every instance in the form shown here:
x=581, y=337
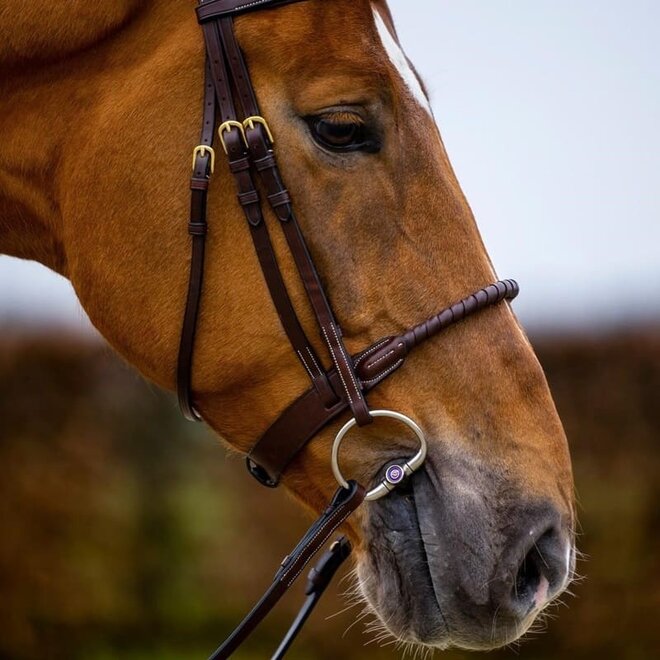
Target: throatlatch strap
x=203, y=161
x=342, y=505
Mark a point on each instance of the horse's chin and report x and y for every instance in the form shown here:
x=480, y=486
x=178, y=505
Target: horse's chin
x=422, y=580
x=430, y=630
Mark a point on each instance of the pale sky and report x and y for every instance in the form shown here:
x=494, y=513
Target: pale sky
x=550, y=111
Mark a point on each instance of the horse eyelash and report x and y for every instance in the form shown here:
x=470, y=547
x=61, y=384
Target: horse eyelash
x=343, y=117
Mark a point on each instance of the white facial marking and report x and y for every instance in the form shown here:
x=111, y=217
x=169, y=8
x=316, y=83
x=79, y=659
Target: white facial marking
x=400, y=62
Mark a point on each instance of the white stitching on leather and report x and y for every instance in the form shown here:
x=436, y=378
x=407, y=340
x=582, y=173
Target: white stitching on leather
x=300, y=355
x=370, y=351
x=238, y=8
x=383, y=357
x=346, y=358
x=311, y=355
x=321, y=531
x=334, y=357
x=387, y=372
x=250, y=4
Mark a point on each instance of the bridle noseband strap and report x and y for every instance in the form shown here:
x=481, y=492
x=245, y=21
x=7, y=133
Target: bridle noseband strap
x=307, y=415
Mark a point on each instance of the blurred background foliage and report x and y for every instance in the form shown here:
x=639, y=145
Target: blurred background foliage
x=126, y=532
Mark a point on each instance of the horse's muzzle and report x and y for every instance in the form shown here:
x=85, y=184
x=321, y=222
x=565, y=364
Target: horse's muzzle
x=463, y=559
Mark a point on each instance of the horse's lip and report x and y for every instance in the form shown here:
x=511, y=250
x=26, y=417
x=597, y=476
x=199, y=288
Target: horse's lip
x=417, y=587
x=425, y=562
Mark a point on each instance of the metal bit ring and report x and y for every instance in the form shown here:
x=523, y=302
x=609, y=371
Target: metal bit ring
x=394, y=474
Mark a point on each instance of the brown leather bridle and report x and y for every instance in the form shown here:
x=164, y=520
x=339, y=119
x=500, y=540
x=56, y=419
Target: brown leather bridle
x=230, y=105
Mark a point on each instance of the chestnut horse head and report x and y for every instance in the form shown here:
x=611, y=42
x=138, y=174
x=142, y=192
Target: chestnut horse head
x=98, y=121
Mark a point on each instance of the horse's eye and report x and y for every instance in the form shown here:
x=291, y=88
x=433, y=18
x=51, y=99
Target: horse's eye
x=337, y=134
x=342, y=133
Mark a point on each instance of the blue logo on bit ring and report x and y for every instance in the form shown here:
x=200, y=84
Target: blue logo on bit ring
x=395, y=474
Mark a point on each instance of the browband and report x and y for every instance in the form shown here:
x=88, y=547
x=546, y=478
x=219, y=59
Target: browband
x=213, y=9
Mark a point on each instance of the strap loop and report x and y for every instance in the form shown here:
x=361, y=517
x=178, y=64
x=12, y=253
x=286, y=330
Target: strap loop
x=265, y=163
x=197, y=228
x=279, y=199
x=250, y=197
x=239, y=165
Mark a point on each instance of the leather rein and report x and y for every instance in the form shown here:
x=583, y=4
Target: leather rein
x=231, y=112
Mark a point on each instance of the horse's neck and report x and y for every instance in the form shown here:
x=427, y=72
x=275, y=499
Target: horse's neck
x=51, y=63
x=30, y=225
x=48, y=31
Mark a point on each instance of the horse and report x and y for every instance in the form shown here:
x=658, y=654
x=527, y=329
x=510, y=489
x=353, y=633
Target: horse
x=99, y=114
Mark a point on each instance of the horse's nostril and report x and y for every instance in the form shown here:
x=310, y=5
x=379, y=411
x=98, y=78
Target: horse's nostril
x=530, y=582
x=528, y=577
x=540, y=573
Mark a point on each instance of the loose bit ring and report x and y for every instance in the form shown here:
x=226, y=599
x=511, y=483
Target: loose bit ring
x=394, y=474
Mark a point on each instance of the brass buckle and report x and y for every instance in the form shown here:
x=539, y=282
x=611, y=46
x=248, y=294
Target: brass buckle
x=201, y=150
x=251, y=121
x=226, y=127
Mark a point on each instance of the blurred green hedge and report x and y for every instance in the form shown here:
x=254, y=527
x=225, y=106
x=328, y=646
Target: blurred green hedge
x=126, y=532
